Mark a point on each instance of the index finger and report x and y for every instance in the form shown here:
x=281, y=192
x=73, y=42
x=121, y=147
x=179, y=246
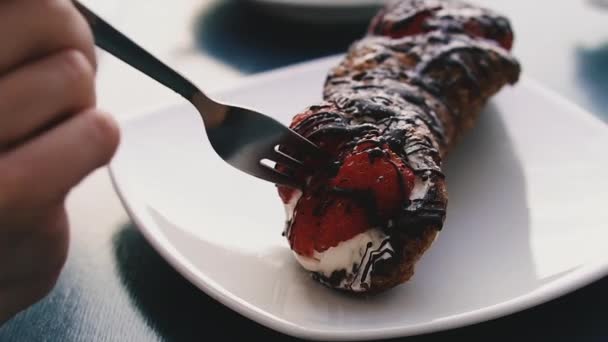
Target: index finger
x=30, y=29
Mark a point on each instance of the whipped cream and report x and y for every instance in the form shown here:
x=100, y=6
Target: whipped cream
x=421, y=187
x=356, y=256
x=290, y=206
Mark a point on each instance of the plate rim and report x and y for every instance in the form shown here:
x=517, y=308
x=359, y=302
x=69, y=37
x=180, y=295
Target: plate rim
x=583, y=276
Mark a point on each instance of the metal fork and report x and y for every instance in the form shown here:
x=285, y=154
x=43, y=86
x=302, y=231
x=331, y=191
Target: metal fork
x=245, y=138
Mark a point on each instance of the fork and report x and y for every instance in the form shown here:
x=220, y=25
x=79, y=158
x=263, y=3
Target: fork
x=246, y=139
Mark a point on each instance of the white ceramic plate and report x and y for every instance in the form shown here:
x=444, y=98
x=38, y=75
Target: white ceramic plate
x=527, y=217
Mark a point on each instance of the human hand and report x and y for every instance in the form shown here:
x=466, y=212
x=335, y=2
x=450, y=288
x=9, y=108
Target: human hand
x=51, y=137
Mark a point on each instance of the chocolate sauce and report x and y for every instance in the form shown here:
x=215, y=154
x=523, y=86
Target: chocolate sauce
x=365, y=199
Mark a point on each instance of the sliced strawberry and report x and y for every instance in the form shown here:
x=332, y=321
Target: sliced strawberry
x=475, y=29
x=506, y=41
x=286, y=193
x=380, y=171
x=301, y=117
x=330, y=143
x=414, y=25
x=343, y=219
x=305, y=226
x=410, y=25
x=320, y=224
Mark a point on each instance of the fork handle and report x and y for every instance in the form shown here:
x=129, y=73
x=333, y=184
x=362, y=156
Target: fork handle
x=117, y=44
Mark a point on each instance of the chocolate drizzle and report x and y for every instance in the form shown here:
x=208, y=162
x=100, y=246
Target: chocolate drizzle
x=358, y=277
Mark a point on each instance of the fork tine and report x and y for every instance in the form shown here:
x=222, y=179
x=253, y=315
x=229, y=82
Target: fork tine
x=302, y=144
x=268, y=173
x=286, y=160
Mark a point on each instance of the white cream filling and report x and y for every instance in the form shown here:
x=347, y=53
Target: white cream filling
x=342, y=256
x=356, y=256
x=421, y=187
x=290, y=206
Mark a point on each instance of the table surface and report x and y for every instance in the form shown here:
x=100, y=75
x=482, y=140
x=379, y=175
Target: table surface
x=115, y=287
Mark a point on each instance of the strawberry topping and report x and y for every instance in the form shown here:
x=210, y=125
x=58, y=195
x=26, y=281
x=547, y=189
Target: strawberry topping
x=378, y=170
x=369, y=187
x=475, y=29
x=321, y=223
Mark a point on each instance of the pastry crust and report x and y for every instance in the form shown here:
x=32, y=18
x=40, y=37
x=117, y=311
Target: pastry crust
x=413, y=86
